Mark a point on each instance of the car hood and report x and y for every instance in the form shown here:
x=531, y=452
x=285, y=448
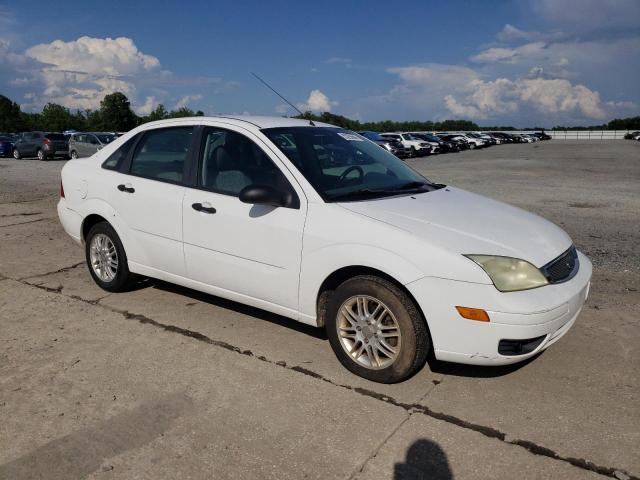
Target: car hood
x=467, y=223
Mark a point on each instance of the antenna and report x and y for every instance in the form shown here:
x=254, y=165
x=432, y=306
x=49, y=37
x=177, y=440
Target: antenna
x=288, y=102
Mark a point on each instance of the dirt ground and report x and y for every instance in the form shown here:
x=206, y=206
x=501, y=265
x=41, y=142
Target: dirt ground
x=166, y=382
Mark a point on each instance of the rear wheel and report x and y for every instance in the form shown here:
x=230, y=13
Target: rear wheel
x=16, y=154
x=74, y=154
x=41, y=155
x=376, y=330
x=107, y=259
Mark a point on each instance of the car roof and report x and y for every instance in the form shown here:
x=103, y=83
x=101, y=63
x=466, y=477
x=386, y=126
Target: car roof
x=255, y=120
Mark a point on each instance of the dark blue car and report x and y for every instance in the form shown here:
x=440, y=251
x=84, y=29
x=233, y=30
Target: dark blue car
x=6, y=145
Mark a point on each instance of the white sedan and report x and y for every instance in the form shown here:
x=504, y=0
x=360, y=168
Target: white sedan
x=318, y=224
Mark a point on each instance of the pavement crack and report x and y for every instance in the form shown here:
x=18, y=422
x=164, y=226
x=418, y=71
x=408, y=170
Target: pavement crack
x=22, y=223
x=410, y=408
x=361, y=468
x=26, y=214
x=60, y=270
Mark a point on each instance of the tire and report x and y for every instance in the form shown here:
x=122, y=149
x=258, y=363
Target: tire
x=411, y=346
x=74, y=154
x=117, y=279
x=41, y=155
x=414, y=153
x=16, y=154
x=472, y=146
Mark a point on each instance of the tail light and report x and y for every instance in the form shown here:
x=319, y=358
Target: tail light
x=61, y=190
x=45, y=141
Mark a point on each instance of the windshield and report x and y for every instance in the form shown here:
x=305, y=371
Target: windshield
x=105, y=137
x=342, y=165
x=375, y=136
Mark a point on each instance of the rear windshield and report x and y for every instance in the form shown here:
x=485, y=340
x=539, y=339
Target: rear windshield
x=55, y=136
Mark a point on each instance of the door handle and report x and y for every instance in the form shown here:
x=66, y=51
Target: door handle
x=126, y=188
x=199, y=207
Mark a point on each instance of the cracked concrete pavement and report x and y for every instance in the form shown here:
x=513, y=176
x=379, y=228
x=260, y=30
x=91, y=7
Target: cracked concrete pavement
x=166, y=382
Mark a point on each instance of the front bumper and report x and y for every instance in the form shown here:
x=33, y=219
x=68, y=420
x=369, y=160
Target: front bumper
x=547, y=312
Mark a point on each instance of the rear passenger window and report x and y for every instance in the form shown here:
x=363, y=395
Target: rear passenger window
x=116, y=158
x=161, y=154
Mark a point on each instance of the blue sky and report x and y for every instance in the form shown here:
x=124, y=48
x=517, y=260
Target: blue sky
x=521, y=63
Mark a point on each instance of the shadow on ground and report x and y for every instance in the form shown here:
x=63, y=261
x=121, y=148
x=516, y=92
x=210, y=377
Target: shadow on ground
x=425, y=461
x=436, y=366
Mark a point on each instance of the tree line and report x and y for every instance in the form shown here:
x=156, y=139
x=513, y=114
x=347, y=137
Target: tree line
x=115, y=115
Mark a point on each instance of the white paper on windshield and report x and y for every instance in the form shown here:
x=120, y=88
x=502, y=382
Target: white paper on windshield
x=350, y=136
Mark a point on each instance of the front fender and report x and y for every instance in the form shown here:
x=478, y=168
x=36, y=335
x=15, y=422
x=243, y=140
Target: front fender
x=318, y=265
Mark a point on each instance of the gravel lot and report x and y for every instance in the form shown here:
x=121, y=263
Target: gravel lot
x=165, y=382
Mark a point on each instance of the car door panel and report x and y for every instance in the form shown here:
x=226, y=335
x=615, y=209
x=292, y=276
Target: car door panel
x=153, y=216
x=149, y=204
x=252, y=250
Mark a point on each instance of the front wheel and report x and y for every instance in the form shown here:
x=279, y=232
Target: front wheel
x=16, y=154
x=376, y=330
x=74, y=154
x=106, y=258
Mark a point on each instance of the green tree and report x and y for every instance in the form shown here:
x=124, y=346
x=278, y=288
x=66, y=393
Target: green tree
x=115, y=114
x=160, y=113
x=56, y=118
x=11, y=118
x=182, y=112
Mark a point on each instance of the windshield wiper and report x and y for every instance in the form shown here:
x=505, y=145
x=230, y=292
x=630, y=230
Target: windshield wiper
x=366, y=192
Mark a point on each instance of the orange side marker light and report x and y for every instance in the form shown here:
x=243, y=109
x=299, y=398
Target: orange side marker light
x=476, y=314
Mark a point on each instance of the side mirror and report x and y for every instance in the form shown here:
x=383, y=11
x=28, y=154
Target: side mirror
x=263, y=195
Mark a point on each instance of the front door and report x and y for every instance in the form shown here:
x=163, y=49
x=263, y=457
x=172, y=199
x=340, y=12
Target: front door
x=250, y=250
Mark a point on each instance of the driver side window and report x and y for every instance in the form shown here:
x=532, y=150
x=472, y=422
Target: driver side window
x=229, y=162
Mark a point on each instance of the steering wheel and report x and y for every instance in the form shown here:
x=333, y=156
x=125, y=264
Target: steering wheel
x=349, y=170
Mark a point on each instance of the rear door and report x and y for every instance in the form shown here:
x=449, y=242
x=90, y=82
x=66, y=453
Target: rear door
x=147, y=194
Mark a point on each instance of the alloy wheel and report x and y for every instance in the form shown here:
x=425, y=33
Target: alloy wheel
x=369, y=332
x=104, y=257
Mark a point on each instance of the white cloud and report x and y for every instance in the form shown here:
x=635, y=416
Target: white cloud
x=317, y=102
x=585, y=15
x=549, y=96
x=148, y=106
x=511, y=55
x=79, y=73
x=186, y=100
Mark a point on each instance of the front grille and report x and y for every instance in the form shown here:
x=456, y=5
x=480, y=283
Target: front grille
x=562, y=268
x=519, y=347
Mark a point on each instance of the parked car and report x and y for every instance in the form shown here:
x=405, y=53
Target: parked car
x=438, y=144
x=7, y=142
x=504, y=137
x=86, y=144
x=416, y=147
x=474, y=142
x=488, y=139
x=632, y=135
x=542, y=136
x=392, y=265
x=393, y=146
x=459, y=140
x=44, y=145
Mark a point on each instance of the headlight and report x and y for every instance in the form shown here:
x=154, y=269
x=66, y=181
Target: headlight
x=510, y=274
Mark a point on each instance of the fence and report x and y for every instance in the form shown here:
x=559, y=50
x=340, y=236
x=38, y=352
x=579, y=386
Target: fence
x=583, y=134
